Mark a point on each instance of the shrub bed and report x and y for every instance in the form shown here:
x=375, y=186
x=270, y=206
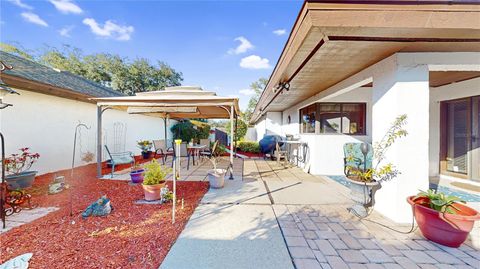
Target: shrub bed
x=249, y=146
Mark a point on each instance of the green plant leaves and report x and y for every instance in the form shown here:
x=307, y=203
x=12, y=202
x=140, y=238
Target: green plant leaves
x=441, y=202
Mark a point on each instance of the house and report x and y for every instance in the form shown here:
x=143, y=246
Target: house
x=49, y=106
x=349, y=68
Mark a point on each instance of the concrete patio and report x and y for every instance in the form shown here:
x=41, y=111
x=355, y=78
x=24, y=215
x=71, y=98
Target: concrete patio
x=285, y=218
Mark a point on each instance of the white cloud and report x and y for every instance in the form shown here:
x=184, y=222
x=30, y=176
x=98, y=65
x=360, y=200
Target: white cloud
x=65, y=31
x=280, y=32
x=247, y=92
x=19, y=3
x=34, y=18
x=66, y=6
x=254, y=62
x=110, y=29
x=244, y=46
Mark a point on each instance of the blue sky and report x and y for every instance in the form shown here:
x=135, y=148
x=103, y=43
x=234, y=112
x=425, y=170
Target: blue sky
x=219, y=45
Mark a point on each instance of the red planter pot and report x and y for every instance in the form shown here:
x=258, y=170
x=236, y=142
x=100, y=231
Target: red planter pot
x=450, y=230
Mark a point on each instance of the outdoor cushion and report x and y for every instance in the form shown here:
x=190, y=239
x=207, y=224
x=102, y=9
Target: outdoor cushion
x=122, y=160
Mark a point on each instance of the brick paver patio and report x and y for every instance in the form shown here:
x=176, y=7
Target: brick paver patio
x=326, y=235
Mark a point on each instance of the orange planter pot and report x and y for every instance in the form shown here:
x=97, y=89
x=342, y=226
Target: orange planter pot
x=152, y=192
x=446, y=229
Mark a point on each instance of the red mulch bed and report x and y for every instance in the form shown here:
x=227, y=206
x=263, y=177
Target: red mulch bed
x=251, y=154
x=132, y=236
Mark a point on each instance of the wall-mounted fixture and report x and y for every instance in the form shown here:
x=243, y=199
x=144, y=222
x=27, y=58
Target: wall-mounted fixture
x=4, y=89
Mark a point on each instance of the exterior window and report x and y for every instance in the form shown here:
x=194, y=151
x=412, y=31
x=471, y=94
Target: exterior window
x=334, y=118
x=307, y=118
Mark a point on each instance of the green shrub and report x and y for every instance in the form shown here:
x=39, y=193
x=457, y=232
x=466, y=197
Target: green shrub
x=249, y=146
x=219, y=150
x=188, y=130
x=155, y=173
x=242, y=129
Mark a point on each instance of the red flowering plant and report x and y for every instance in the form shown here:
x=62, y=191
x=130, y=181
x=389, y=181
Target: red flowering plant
x=17, y=163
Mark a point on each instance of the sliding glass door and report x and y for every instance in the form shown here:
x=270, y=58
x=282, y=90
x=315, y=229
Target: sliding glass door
x=475, y=152
x=460, y=141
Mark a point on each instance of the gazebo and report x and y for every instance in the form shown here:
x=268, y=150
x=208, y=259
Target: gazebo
x=182, y=102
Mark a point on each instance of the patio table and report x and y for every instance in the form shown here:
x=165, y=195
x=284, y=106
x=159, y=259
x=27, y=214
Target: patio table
x=193, y=150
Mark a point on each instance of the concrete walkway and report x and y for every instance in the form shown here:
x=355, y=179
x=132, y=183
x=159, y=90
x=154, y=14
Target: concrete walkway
x=284, y=218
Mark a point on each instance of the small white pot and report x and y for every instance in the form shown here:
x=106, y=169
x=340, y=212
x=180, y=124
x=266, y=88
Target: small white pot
x=216, y=177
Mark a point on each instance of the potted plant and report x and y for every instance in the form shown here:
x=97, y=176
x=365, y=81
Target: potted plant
x=216, y=176
x=365, y=182
x=136, y=175
x=17, y=167
x=442, y=218
x=145, y=146
x=154, y=180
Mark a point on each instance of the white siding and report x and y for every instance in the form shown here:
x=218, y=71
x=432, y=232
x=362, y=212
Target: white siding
x=47, y=123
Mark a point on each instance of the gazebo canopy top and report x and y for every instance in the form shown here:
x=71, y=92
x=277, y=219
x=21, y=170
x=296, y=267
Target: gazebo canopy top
x=176, y=102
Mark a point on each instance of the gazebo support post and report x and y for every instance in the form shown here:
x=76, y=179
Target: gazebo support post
x=232, y=112
x=236, y=135
x=165, y=127
x=99, y=141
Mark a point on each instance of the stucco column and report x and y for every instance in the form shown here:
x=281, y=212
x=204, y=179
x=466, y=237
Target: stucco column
x=401, y=90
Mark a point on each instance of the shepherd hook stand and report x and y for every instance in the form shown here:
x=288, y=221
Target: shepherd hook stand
x=79, y=125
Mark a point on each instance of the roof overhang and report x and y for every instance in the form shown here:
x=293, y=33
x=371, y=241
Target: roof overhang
x=176, y=103
x=43, y=88
x=332, y=40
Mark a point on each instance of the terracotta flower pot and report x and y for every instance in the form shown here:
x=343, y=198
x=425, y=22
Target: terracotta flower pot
x=152, y=192
x=446, y=229
x=216, y=177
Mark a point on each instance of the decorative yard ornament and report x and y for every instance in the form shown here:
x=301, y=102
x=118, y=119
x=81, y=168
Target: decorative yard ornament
x=101, y=207
x=365, y=179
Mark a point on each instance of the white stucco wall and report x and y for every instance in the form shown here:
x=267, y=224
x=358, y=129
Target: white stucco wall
x=326, y=150
x=448, y=92
x=273, y=123
x=261, y=128
x=47, y=123
x=402, y=89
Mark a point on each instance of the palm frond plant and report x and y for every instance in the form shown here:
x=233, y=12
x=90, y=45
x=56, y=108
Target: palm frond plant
x=439, y=201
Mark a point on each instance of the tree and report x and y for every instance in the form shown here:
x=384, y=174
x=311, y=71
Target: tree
x=15, y=50
x=111, y=70
x=257, y=86
x=242, y=128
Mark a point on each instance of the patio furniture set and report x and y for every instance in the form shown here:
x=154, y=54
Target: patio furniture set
x=160, y=150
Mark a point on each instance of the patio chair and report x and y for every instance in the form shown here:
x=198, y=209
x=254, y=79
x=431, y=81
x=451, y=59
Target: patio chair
x=211, y=152
x=116, y=158
x=205, y=142
x=354, y=159
x=280, y=153
x=161, y=149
